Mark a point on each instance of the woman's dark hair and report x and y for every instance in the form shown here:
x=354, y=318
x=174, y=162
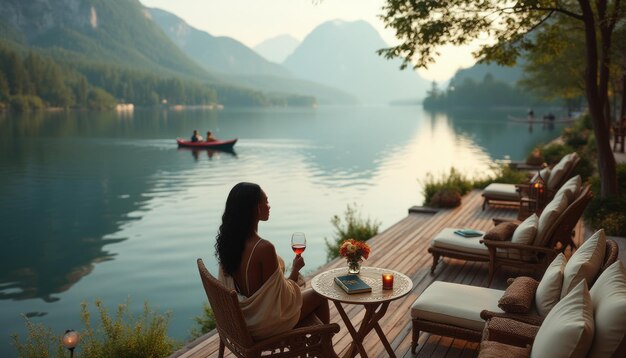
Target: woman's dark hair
x=238, y=222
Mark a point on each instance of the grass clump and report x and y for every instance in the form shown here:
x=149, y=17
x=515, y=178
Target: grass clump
x=205, y=322
x=446, y=191
x=353, y=226
x=123, y=335
x=40, y=342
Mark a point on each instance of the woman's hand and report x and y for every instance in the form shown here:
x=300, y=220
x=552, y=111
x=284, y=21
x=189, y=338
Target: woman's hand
x=296, y=266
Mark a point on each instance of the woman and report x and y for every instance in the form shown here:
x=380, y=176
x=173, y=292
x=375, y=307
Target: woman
x=271, y=303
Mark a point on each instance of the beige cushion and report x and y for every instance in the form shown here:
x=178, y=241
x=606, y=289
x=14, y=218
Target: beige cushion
x=567, y=331
x=548, y=216
x=524, y=234
x=455, y=304
x=447, y=239
x=549, y=289
x=570, y=188
x=558, y=171
x=499, y=191
x=608, y=296
x=585, y=263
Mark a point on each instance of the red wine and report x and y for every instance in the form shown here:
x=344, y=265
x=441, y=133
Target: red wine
x=298, y=248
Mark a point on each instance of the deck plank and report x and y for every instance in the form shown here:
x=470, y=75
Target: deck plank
x=403, y=247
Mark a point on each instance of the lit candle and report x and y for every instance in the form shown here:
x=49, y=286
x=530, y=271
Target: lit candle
x=387, y=281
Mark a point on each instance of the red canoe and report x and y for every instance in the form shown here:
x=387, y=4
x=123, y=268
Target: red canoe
x=217, y=144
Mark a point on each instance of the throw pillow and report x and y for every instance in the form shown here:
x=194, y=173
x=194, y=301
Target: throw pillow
x=570, y=188
x=549, y=290
x=545, y=175
x=568, y=329
x=608, y=296
x=492, y=349
x=501, y=232
x=519, y=296
x=526, y=231
x=558, y=172
x=548, y=217
x=585, y=263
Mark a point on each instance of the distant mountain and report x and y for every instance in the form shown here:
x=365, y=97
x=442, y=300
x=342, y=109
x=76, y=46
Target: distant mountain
x=112, y=32
x=277, y=48
x=237, y=64
x=216, y=54
x=343, y=55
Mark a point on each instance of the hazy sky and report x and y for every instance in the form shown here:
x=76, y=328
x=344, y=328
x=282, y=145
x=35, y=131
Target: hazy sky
x=253, y=21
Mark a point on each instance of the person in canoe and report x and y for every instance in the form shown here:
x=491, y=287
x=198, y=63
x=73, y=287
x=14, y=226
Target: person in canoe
x=248, y=264
x=196, y=137
x=210, y=137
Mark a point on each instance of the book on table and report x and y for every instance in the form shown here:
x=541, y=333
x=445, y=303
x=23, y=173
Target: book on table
x=352, y=284
x=469, y=233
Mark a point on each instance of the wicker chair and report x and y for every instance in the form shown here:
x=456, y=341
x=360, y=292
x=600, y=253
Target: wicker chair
x=309, y=338
x=460, y=311
x=518, y=194
x=506, y=253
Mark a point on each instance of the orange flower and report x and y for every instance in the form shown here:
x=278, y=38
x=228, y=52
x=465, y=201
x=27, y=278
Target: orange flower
x=354, y=250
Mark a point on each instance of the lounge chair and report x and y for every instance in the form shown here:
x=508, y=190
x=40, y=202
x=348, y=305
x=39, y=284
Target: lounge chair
x=514, y=194
x=459, y=311
x=554, y=233
x=310, y=338
x=585, y=323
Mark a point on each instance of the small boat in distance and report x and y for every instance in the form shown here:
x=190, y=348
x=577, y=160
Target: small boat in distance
x=217, y=144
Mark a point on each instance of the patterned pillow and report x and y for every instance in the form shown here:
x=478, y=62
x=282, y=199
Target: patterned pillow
x=519, y=296
x=492, y=349
x=501, y=232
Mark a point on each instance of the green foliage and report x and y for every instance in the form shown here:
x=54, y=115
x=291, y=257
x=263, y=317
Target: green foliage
x=40, y=342
x=503, y=174
x=609, y=213
x=24, y=103
x=353, y=226
x=205, y=322
x=552, y=153
x=470, y=93
x=121, y=336
x=125, y=335
x=454, y=182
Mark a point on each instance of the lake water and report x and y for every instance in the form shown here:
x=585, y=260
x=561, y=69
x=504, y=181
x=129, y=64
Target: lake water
x=102, y=205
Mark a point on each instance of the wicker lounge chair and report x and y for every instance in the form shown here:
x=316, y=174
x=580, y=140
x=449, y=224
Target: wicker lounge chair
x=309, y=338
x=553, y=237
x=514, y=194
x=564, y=331
x=460, y=311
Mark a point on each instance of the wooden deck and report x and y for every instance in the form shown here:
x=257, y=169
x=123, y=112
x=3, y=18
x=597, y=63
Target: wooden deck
x=403, y=247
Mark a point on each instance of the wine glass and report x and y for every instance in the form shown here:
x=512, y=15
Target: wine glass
x=298, y=243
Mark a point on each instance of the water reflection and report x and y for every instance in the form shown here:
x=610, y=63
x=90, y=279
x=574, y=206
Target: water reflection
x=210, y=153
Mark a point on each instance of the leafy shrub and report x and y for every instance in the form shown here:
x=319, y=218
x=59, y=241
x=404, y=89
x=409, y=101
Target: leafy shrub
x=535, y=157
x=119, y=336
x=502, y=174
x=205, y=322
x=352, y=227
x=555, y=151
x=578, y=134
x=446, y=198
x=41, y=342
x=124, y=335
x=452, y=182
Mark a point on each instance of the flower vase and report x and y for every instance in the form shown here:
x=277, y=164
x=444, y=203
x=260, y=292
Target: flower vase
x=354, y=266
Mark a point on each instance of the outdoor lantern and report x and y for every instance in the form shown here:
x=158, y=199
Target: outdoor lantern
x=70, y=340
x=537, y=194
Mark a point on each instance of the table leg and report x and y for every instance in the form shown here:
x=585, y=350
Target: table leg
x=356, y=342
x=373, y=314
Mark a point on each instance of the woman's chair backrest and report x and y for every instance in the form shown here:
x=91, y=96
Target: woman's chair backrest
x=229, y=320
